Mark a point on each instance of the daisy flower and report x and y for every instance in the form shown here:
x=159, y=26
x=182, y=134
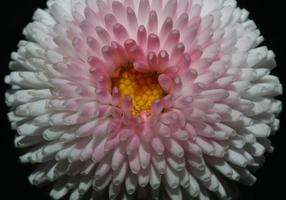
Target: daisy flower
x=148, y=99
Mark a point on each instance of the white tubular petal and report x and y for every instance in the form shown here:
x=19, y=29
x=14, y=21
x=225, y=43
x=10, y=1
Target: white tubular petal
x=276, y=107
x=75, y=119
x=54, y=57
x=43, y=170
x=74, y=169
x=236, y=158
x=158, y=146
x=213, y=184
x=267, y=144
x=159, y=163
x=171, y=177
x=195, y=161
x=275, y=125
x=178, y=164
x=119, y=175
x=42, y=38
x=29, y=129
x=174, y=193
x=248, y=137
x=13, y=117
x=258, y=161
x=184, y=178
x=193, y=148
x=204, y=194
x=59, y=190
x=250, y=159
x=134, y=163
x=223, y=167
x=220, y=148
x=144, y=156
x=253, y=59
x=133, y=145
x=155, y=178
x=58, y=118
x=24, y=141
x=155, y=194
x=28, y=80
x=238, y=119
x=163, y=130
x=42, y=120
x=131, y=183
x=102, y=169
x=143, y=177
x=255, y=149
x=204, y=175
x=260, y=73
x=85, y=184
x=237, y=141
x=117, y=158
x=174, y=147
x=85, y=129
x=215, y=95
x=26, y=96
x=53, y=133
x=194, y=188
x=99, y=153
x=60, y=11
x=62, y=153
x=33, y=109
x=205, y=145
x=259, y=130
x=37, y=177
x=181, y=135
x=44, y=17
x=101, y=184
x=264, y=89
x=246, y=176
x=222, y=193
x=126, y=197
x=75, y=195
x=269, y=61
x=114, y=191
x=245, y=43
x=208, y=6
x=240, y=86
x=76, y=152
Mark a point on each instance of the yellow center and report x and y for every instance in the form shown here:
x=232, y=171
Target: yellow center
x=142, y=88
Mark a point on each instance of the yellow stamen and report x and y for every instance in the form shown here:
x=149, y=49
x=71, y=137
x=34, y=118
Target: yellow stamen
x=142, y=88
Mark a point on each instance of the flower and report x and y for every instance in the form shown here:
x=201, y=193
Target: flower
x=143, y=97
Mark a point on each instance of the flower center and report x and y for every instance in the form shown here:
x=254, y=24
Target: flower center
x=142, y=88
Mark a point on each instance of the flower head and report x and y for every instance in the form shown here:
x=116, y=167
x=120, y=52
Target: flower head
x=129, y=97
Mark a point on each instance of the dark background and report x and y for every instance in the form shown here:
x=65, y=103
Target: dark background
x=270, y=17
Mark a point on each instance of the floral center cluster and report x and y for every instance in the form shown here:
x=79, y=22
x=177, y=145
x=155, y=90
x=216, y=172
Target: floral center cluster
x=143, y=89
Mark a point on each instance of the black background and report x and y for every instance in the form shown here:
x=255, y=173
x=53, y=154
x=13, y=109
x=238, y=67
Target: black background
x=270, y=17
